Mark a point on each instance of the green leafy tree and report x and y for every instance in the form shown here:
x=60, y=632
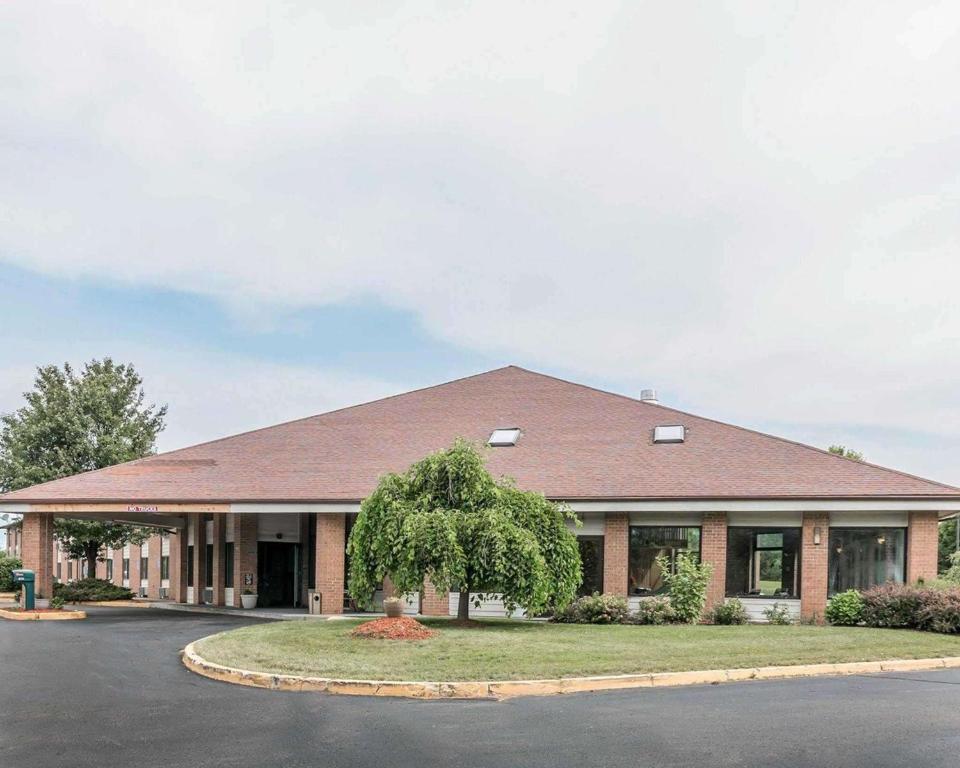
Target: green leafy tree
x=74, y=423
x=448, y=520
x=947, y=543
x=686, y=584
x=847, y=453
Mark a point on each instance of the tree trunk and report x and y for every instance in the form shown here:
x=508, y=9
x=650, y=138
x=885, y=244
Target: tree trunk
x=92, y=551
x=463, y=606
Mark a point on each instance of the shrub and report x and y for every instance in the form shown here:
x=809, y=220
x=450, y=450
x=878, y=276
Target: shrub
x=595, y=609
x=654, y=610
x=778, y=613
x=56, y=603
x=90, y=589
x=845, y=609
x=893, y=605
x=687, y=585
x=730, y=612
x=7, y=565
x=952, y=574
x=939, y=611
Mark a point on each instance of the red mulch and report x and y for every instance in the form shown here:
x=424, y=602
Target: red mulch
x=401, y=628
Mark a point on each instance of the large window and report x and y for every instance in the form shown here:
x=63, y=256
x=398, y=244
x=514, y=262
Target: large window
x=190, y=565
x=126, y=568
x=144, y=568
x=864, y=557
x=228, y=564
x=591, y=561
x=647, y=543
x=164, y=567
x=110, y=569
x=763, y=562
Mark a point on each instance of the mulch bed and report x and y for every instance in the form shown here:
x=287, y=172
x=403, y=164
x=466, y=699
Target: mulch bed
x=401, y=628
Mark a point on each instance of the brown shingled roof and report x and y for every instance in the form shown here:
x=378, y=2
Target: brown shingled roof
x=577, y=443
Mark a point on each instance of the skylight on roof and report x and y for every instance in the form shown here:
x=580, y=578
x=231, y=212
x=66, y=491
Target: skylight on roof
x=502, y=438
x=670, y=433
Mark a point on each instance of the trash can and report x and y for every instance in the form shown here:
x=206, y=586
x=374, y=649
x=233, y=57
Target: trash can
x=27, y=579
x=314, y=602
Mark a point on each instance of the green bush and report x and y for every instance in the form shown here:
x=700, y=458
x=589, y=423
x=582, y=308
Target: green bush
x=778, y=613
x=845, y=609
x=7, y=565
x=594, y=609
x=952, y=574
x=654, y=610
x=895, y=606
x=87, y=590
x=729, y=612
x=940, y=611
x=56, y=603
x=687, y=585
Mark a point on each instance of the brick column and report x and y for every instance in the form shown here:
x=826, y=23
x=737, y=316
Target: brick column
x=245, y=528
x=178, y=563
x=304, y=558
x=118, y=567
x=135, y=569
x=331, y=546
x=616, y=540
x=813, y=565
x=219, y=555
x=713, y=550
x=922, y=542
x=199, y=557
x=153, y=571
x=37, y=550
x=433, y=602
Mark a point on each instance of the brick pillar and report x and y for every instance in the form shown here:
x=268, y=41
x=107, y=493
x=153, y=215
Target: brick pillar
x=37, y=550
x=922, y=543
x=199, y=557
x=245, y=526
x=304, y=558
x=713, y=550
x=101, y=569
x=219, y=555
x=118, y=567
x=813, y=565
x=178, y=563
x=616, y=540
x=433, y=602
x=153, y=571
x=135, y=569
x=331, y=551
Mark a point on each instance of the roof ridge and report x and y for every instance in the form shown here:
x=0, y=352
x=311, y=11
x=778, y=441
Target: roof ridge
x=742, y=429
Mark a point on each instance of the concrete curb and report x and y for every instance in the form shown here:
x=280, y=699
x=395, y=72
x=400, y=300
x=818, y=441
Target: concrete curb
x=502, y=689
x=116, y=603
x=62, y=615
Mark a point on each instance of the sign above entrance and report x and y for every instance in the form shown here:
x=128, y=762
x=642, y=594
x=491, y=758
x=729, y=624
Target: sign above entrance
x=138, y=508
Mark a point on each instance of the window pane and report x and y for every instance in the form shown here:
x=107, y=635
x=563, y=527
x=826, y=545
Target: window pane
x=763, y=562
x=591, y=561
x=228, y=564
x=646, y=544
x=861, y=558
x=208, y=566
x=190, y=565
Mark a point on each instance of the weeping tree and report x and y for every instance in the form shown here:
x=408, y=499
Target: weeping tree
x=447, y=520
x=76, y=422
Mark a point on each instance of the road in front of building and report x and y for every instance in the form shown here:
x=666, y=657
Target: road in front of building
x=110, y=691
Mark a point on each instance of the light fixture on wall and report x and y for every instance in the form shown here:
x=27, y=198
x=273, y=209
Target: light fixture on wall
x=816, y=536
x=881, y=539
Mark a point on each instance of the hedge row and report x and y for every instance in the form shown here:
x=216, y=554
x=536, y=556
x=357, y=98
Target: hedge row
x=898, y=606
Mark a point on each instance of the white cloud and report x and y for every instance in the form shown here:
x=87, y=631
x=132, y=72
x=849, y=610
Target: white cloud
x=754, y=211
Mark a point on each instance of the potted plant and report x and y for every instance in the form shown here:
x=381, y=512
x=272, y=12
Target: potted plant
x=393, y=607
x=41, y=603
x=248, y=599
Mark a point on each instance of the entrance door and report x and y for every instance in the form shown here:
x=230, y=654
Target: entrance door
x=276, y=574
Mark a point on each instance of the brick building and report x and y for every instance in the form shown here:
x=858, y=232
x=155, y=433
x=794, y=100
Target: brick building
x=270, y=510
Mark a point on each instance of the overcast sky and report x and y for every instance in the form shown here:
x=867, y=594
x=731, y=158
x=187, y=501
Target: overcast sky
x=276, y=209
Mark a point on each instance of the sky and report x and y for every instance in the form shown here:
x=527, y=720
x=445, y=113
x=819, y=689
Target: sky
x=276, y=209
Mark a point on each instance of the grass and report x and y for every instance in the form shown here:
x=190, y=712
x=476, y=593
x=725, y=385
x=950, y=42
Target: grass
x=501, y=649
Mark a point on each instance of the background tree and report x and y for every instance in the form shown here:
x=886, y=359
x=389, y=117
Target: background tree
x=76, y=423
x=448, y=521
x=847, y=453
x=947, y=543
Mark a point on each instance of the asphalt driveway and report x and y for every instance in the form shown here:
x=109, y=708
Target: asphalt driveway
x=111, y=691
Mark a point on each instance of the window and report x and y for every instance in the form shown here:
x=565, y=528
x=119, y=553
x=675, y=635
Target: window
x=59, y=570
x=228, y=564
x=763, y=562
x=670, y=433
x=190, y=565
x=69, y=570
x=144, y=568
x=165, y=567
x=208, y=567
x=591, y=560
x=864, y=557
x=126, y=568
x=502, y=438
x=110, y=570
x=647, y=543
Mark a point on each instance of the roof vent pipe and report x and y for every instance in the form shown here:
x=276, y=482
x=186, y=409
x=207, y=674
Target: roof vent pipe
x=649, y=396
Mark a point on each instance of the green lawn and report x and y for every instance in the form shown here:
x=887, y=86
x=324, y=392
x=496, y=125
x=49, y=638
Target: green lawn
x=517, y=650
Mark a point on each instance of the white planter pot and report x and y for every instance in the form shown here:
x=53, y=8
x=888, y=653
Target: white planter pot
x=41, y=602
x=248, y=601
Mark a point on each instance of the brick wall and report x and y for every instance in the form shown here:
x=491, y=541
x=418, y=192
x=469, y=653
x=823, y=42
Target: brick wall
x=219, y=556
x=199, y=556
x=37, y=550
x=616, y=535
x=178, y=566
x=153, y=574
x=922, y=541
x=434, y=602
x=713, y=550
x=331, y=552
x=135, y=569
x=813, y=565
x=244, y=554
